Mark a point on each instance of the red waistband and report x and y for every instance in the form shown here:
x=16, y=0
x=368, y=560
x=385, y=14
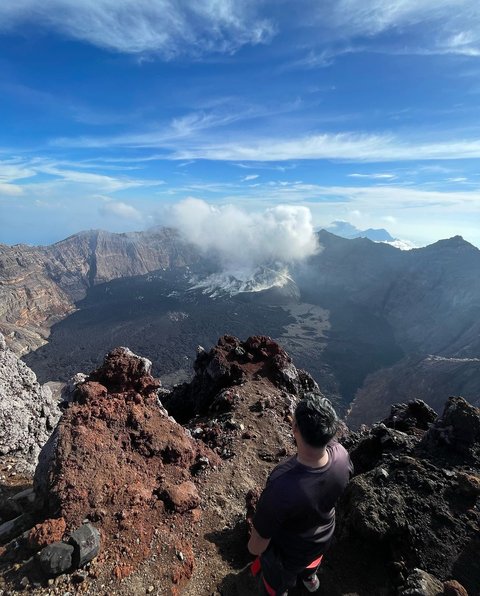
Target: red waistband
x=256, y=567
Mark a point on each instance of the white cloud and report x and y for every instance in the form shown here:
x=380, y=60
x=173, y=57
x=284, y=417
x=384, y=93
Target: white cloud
x=373, y=176
x=370, y=198
x=346, y=146
x=121, y=210
x=11, y=190
x=196, y=138
x=174, y=28
x=389, y=219
x=167, y=27
x=429, y=26
x=283, y=233
x=250, y=177
x=14, y=169
x=62, y=174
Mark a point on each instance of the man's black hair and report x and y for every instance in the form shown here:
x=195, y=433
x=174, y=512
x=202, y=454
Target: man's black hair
x=316, y=419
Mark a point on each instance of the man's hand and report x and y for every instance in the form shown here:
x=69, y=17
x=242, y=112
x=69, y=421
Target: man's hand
x=257, y=545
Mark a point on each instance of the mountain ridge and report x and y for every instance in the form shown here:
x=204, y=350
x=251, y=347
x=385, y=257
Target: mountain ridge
x=349, y=311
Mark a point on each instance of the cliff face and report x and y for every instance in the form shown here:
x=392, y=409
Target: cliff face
x=431, y=378
x=429, y=296
x=380, y=305
x=39, y=285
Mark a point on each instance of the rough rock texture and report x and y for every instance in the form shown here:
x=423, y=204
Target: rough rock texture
x=230, y=363
x=39, y=285
x=86, y=541
x=417, y=491
x=56, y=558
x=28, y=412
x=47, y=532
x=420, y=583
x=119, y=460
x=168, y=508
x=453, y=588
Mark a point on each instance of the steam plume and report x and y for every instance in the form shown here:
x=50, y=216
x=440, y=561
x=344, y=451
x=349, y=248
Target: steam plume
x=242, y=240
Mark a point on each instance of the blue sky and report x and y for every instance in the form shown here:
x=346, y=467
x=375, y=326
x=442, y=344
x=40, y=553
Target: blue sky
x=112, y=111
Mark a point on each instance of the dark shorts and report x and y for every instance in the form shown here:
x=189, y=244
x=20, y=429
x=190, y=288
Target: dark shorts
x=280, y=575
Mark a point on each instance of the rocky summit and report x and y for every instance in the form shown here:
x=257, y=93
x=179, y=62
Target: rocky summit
x=141, y=489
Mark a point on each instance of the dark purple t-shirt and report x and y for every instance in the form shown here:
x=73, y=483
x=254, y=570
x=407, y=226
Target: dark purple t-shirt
x=297, y=507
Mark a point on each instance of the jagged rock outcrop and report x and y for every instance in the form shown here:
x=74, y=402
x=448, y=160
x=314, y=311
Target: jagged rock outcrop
x=40, y=285
x=230, y=363
x=417, y=490
x=118, y=459
x=168, y=502
x=28, y=412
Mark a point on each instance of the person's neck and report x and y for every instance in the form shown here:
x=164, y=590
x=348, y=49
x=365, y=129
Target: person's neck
x=311, y=457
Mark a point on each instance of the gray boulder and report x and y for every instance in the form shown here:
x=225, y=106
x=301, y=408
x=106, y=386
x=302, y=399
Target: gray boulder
x=421, y=583
x=56, y=558
x=28, y=412
x=86, y=542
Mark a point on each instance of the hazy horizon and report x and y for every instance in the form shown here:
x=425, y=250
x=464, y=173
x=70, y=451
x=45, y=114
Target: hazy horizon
x=403, y=244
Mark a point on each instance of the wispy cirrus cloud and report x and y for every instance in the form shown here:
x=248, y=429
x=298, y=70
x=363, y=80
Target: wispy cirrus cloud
x=175, y=28
x=14, y=169
x=430, y=26
x=359, y=147
x=166, y=27
x=203, y=141
x=374, y=176
x=18, y=175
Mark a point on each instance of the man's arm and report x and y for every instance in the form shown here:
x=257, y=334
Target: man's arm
x=257, y=544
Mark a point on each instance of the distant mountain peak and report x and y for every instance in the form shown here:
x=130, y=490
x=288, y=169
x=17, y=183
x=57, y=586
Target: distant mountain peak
x=345, y=229
x=348, y=230
x=454, y=243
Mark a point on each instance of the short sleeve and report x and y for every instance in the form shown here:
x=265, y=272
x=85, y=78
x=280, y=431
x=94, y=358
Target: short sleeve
x=271, y=511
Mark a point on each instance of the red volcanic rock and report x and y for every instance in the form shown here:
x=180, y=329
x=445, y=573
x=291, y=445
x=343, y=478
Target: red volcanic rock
x=183, y=569
x=88, y=391
x=111, y=458
x=453, y=588
x=123, y=371
x=182, y=498
x=233, y=362
x=468, y=485
x=48, y=532
x=123, y=571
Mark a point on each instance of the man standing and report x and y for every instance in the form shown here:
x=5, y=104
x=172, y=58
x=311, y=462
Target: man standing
x=295, y=516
